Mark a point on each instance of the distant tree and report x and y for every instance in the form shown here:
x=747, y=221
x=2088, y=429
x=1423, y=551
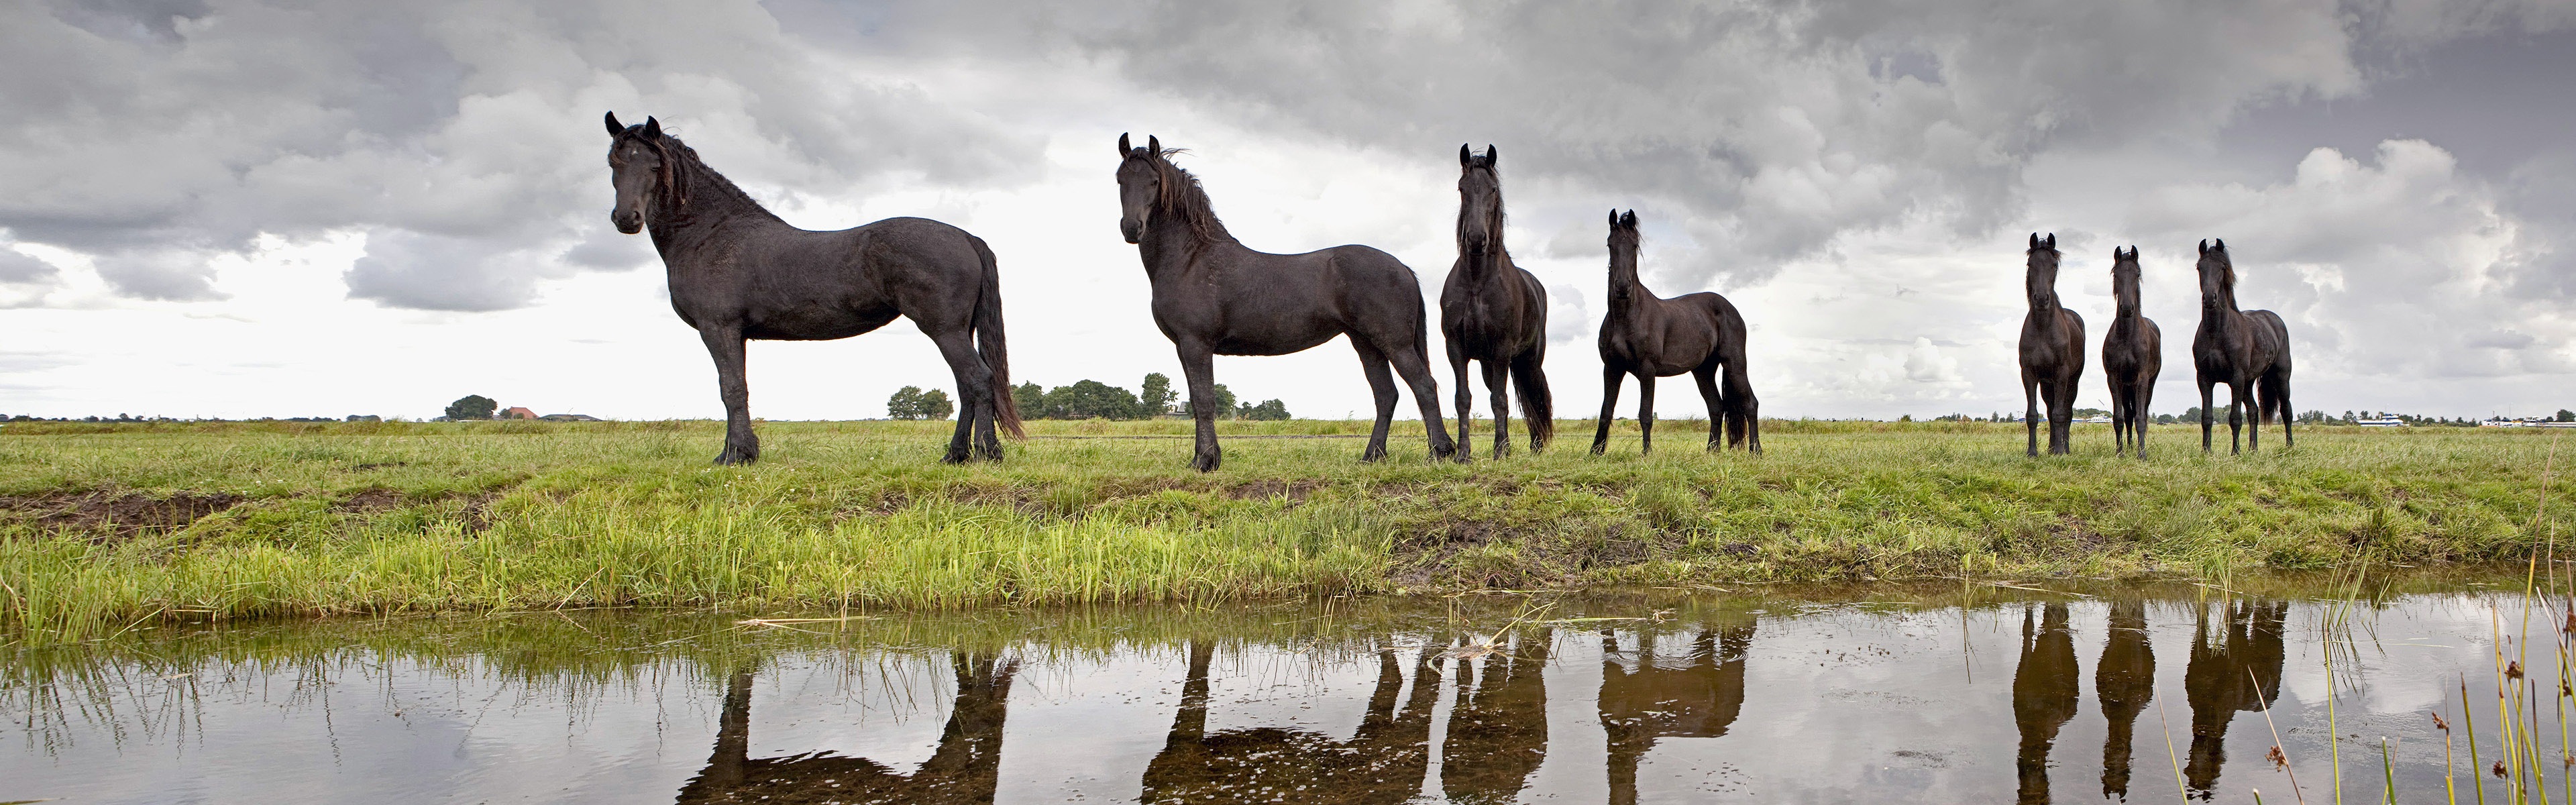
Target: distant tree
x=2311, y=417
x=1905, y=418
x=1031, y=399
x=2191, y=414
x=1155, y=395
x=1267, y=411
x=472, y=406
x=1091, y=399
x=910, y=402
x=1224, y=402
x=2565, y=415
x=2164, y=419
x=2086, y=413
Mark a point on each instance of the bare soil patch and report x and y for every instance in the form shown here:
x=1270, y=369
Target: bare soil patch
x=116, y=516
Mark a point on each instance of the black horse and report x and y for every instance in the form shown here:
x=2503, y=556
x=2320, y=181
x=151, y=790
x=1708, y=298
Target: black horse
x=2132, y=356
x=1493, y=311
x=737, y=272
x=2247, y=350
x=2052, y=350
x=1213, y=296
x=1651, y=337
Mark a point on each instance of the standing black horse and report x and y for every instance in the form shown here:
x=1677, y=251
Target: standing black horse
x=1213, y=296
x=738, y=272
x=2052, y=351
x=1652, y=337
x=2247, y=350
x=1493, y=311
x=2132, y=356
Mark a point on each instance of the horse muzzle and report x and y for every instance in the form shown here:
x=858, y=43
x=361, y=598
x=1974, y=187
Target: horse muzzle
x=627, y=221
x=1132, y=229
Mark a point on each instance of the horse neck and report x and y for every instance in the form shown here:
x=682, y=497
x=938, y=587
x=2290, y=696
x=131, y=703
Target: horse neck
x=1171, y=244
x=701, y=200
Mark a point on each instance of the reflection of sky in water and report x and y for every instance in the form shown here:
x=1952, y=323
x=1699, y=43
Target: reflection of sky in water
x=1839, y=703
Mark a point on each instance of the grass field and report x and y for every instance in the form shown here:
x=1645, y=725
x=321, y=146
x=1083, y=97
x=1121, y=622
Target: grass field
x=106, y=526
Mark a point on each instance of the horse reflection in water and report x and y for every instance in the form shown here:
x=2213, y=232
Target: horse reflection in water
x=1383, y=763
x=2044, y=696
x=2124, y=681
x=1697, y=697
x=1498, y=726
x=966, y=767
x=2237, y=670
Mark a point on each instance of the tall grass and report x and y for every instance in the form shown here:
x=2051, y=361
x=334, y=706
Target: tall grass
x=393, y=517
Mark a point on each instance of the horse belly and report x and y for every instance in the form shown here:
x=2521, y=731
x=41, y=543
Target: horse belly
x=816, y=323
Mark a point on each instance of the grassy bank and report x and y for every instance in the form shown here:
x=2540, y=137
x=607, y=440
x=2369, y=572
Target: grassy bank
x=102, y=526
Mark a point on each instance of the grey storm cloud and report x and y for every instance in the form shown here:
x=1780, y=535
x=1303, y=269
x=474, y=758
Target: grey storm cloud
x=153, y=136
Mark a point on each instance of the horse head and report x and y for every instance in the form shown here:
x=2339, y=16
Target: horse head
x=2217, y=274
x=2042, y=274
x=1480, y=202
x=1140, y=185
x=639, y=166
x=1623, y=245
x=2124, y=275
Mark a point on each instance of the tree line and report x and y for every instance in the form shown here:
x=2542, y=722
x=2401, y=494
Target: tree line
x=1092, y=399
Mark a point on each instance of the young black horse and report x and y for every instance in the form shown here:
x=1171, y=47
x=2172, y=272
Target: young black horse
x=1213, y=296
x=2247, y=350
x=2132, y=356
x=1650, y=337
x=737, y=272
x=1493, y=311
x=2052, y=350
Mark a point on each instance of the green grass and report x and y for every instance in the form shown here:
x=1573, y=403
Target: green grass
x=375, y=518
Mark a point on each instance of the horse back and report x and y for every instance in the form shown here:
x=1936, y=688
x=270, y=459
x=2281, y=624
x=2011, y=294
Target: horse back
x=801, y=284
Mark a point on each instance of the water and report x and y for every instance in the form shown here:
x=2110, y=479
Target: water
x=1933, y=694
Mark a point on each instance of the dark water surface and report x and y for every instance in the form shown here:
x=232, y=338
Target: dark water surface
x=1925, y=694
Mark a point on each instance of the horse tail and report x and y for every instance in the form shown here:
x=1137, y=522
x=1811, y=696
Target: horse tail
x=990, y=344
x=1538, y=408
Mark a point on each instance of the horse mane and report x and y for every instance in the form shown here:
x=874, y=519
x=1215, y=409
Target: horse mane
x=682, y=169
x=1183, y=197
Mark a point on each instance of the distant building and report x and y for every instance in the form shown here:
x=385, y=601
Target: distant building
x=2382, y=422
x=2098, y=419
x=515, y=413
x=566, y=417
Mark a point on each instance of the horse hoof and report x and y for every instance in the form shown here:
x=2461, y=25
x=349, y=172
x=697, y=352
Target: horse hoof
x=732, y=459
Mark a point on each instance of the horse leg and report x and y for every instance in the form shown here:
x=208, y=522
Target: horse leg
x=1706, y=377
x=2281, y=391
x=1744, y=411
x=1198, y=368
x=2119, y=422
x=1382, y=389
x=1498, y=380
x=2205, y=414
x=1466, y=394
x=2235, y=415
x=2030, y=417
x=974, y=400
x=1416, y=371
x=1645, y=413
x=1610, y=378
x=2142, y=395
x=725, y=344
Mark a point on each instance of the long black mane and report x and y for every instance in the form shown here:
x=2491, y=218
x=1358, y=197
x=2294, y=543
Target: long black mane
x=1184, y=199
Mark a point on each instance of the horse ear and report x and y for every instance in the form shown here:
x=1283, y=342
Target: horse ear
x=613, y=128
x=1154, y=144
x=1123, y=147
x=1465, y=159
x=2034, y=240
x=2204, y=245
x=1628, y=219
x=1491, y=155
x=652, y=128
x=2219, y=245
x=2052, y=241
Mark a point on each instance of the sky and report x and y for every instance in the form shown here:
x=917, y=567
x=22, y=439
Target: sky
x=243, y=209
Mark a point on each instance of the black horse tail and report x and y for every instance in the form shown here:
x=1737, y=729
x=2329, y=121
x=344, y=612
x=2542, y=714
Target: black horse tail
x=1538, y=408
x=990, y=344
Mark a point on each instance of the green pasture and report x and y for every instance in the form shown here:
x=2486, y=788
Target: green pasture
x=104, y=527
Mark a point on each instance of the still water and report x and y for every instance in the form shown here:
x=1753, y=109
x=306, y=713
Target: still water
x=1952, y=693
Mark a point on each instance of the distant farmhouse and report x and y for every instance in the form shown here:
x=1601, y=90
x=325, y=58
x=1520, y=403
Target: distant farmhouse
x=2525, y=422
x=515, y=413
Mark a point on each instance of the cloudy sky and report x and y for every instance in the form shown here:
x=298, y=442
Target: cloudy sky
x=245, y=208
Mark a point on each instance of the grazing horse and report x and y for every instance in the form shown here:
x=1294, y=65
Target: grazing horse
x=1493, y=311
x=2052, y=351
x=737, y=272
x=1651, y=337
x=2132, y=356
x=2247, y=350
x=1213, y=296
